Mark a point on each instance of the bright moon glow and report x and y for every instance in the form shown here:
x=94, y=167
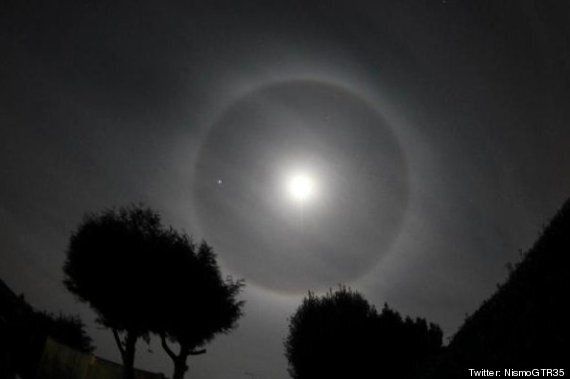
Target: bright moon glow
x=301, y=187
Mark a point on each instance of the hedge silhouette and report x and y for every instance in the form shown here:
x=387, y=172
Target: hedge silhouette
x=524, y=325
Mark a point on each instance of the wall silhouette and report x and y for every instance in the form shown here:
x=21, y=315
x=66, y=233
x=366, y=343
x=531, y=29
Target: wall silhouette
x=62, y=362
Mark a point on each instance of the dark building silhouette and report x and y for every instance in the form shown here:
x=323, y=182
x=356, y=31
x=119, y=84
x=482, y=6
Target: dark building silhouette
x=12, y=307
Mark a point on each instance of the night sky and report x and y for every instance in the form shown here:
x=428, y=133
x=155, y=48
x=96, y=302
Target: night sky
x=435, y=134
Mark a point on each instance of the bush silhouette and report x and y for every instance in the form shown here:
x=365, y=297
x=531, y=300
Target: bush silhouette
x=340, y=335
x=404, y=345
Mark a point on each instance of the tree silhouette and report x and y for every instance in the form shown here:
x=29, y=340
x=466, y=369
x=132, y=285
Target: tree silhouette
x=109, y=265
x=199, y=301
x=340, y=335
x=141, y=277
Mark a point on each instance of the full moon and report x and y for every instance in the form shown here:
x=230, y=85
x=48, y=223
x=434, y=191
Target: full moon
x=301, y=187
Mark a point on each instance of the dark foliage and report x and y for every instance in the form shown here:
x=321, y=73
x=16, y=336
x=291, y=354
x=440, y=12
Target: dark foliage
x=340, y=335
x=110, y=265
x=68, y=330
x=525, y=323
x=199, y=302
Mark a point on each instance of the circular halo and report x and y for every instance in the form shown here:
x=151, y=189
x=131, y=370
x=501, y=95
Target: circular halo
x=362, y=188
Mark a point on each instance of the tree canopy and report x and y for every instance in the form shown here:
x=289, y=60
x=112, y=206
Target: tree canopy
x=109, y=261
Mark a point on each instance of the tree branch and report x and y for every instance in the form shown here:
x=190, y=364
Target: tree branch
x=198, y=352
x=167, y=348
x=119, y=342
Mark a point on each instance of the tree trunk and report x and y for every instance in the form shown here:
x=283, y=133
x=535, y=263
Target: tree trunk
x=129, y=356
x=180, y=366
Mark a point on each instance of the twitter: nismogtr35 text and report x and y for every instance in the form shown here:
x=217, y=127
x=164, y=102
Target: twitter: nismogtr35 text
x=537, y=372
